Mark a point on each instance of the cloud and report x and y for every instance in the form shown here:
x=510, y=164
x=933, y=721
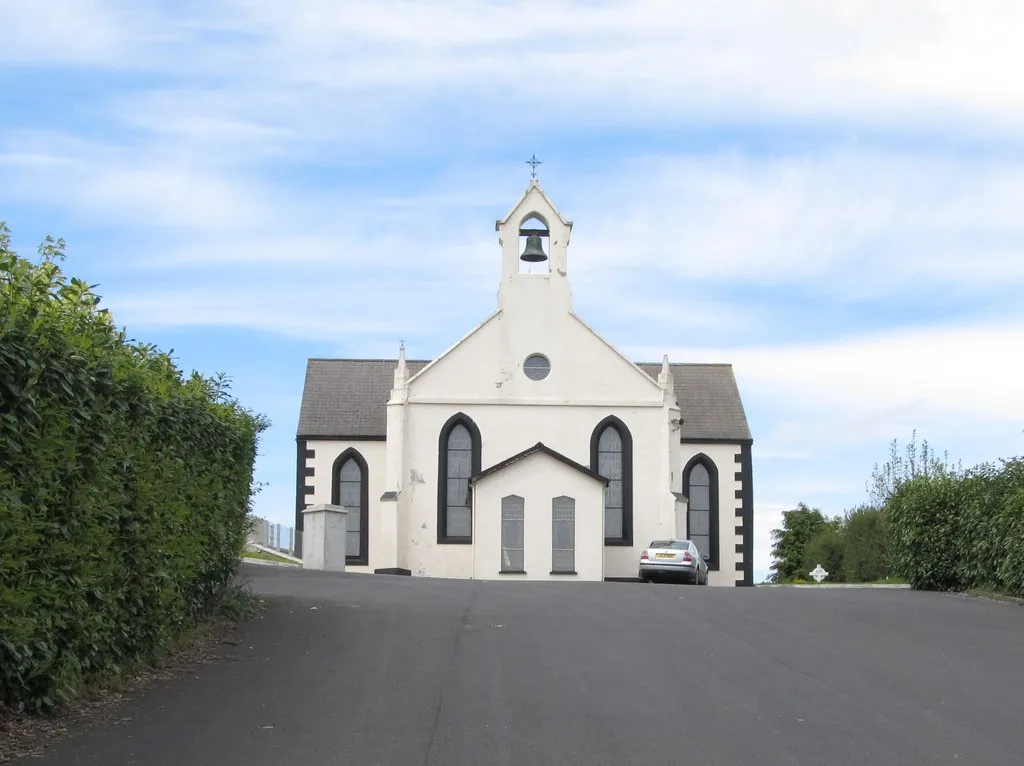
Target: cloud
x=865, y=382
x=352, y=75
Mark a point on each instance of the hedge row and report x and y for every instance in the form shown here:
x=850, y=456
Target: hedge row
x=961, y=531
x=124, y=488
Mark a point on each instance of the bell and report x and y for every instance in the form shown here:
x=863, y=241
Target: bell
x=533, y=252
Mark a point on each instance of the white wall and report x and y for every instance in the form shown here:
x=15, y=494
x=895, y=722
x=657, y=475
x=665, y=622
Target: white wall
x=374, y=453
x=724, y=458
x=538, y=478
x=507, y=430
x=487, y=367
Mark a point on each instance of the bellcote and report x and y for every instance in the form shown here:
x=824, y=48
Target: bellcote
x=534, y=240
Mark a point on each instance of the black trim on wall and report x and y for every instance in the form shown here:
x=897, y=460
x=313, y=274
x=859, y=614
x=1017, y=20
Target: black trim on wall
x=627, y=475
x=301, y=453
x=715, y=559
x=442, y=474
x=393, y=571
x=309, y=453
x=739, y=458
x=364, y=501
x=748, y=515
x=739, y=513
x=308, y=490
x=309, y=471
x=738, y=476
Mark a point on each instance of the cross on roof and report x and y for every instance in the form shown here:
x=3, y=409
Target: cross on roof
x=533, y=162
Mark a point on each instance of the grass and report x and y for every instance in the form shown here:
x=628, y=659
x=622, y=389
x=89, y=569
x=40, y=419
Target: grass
x=994, y=595
x=884, y=581
x=264, y=556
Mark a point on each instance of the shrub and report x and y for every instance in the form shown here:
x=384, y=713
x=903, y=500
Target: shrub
x=961, y=532
x=124, y=488
x=826, y=548
x=866, y=550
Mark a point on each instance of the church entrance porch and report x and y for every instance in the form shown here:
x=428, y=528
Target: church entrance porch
x=538, y=516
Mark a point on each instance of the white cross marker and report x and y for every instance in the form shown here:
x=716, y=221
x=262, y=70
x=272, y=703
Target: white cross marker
x=818, y=573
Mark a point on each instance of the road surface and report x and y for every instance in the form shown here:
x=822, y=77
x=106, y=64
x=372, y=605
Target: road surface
x=365, y=670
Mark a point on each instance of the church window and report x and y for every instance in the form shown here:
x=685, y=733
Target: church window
x=350, y=490
x=611, y=455
x=458, y=461
x=512, y=533
x=537, y=367
x=563, y=535
x=700, y=485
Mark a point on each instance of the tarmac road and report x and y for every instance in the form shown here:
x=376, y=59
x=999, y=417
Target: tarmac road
x=365, y=670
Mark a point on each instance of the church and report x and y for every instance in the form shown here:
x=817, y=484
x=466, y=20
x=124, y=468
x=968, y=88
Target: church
x=532, y=448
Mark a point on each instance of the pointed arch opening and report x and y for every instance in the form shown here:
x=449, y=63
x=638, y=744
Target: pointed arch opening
x=700, y=485
x=535, y=225
x=350, y=488
x=611, y=455
x=458, y=458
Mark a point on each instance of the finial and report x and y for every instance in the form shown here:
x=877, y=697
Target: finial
x=533, y=162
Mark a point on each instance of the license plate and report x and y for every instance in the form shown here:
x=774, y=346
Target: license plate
x=664, y=555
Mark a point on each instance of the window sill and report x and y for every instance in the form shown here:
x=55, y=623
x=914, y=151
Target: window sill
x=563, y=572
x=455, y=541
x=617, y=543
x=512, y=572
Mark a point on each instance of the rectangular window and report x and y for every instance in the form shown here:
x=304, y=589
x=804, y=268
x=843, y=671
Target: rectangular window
x=512, y=533
x=563, y=534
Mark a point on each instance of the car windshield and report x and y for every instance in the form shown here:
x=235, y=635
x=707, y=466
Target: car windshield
x=678, y=545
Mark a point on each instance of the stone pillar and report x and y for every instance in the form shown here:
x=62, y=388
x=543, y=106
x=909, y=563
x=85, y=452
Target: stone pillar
x=324, y=536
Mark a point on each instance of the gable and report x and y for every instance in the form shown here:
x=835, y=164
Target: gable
x=538, y=449
x=487, y=365
x=348, y=398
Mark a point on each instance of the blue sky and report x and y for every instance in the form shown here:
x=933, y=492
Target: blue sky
x=828, y=195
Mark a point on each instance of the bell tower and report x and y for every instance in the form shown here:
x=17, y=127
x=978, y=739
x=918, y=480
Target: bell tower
x=534, y=240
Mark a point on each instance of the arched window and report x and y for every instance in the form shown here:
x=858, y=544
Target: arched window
x=700, y=485
x=611, y=455
x=458, y=460
x=350, y=489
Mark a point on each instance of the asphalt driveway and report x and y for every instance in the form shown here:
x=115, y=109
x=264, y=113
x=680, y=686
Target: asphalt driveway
x=350, y=669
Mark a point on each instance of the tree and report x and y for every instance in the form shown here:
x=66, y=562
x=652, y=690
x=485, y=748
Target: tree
x=866, y=550
x=828, y=549
x=799, y=527
x=898, y=470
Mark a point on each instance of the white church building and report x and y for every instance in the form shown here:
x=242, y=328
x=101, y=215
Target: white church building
x=532, y=449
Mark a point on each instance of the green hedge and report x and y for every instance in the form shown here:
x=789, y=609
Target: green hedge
x=960, y=531
x=124, y=488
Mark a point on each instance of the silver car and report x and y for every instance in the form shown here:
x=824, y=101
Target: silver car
x=673, y=558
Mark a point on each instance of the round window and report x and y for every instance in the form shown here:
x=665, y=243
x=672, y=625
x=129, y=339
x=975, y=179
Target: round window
x=536, y=367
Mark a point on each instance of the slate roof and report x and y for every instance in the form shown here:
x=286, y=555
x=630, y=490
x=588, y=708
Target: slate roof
x=347, y=398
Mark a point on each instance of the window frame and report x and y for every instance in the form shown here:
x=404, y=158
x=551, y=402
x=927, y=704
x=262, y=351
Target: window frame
x=554, y=524
x=627, y=476
x=521, y=510
x=459, y=418
x=352, y=453
x=713, y=509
